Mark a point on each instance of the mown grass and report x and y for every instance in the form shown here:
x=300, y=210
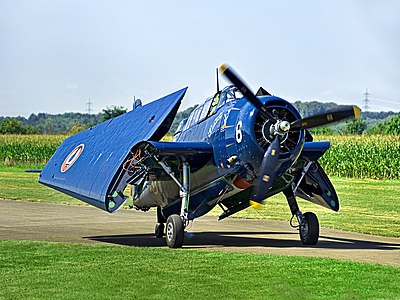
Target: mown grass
x=38, y=270
x=367, y=205
x=18, y=185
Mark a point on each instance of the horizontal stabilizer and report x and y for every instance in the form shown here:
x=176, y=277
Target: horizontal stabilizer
x=88, y=165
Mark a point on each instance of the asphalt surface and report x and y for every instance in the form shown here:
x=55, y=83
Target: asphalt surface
x=81, y=224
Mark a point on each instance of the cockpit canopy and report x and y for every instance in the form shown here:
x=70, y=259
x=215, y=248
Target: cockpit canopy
x=210, y=107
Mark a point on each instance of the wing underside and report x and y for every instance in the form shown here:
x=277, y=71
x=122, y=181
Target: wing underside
x=155, y=170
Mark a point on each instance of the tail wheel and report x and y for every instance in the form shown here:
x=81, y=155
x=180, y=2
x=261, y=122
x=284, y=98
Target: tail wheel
x=174, y=234
x=309, y=229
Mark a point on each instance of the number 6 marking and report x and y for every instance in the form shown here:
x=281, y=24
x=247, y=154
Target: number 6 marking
x=238, y=132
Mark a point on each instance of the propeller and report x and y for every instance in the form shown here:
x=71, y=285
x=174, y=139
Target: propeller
x=326, y=118
x=270, y=161
x=235, y=79
x=266, y=179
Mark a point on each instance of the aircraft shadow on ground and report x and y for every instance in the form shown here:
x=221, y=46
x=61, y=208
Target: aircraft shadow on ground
x=243, y=239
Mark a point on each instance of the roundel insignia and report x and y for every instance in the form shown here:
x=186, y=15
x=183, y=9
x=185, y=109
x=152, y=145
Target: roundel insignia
x=72, y=157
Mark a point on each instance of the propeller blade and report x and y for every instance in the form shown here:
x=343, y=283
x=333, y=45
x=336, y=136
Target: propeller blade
x=267, y=174
x=235, y=79
x=327, y=118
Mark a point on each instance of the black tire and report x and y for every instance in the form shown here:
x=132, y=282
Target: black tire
x=159, y=230
x=309, y=231
x=174, y=233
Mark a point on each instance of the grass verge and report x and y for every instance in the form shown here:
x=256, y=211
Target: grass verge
x=38, y=270
x=366, y=205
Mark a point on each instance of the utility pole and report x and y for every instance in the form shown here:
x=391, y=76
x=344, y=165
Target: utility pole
x=89, y=107
x=366, y=101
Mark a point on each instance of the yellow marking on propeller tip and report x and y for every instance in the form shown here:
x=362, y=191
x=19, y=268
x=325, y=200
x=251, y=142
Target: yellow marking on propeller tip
x=357, y=111
x=229, y=145
x=255, y=204
x=273, y=152
x=223, y=67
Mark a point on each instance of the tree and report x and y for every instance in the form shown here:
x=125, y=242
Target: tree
x=393, y=126
x=12, y=126
x=323, y=130
x=112, y=112
x=75, y=128
x=355, y=126
x=179, y=117
x=49, y=126
x=31, y=129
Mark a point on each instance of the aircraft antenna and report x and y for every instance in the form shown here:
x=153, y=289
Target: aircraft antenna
x=217, y=81
x=89, y=107
x=366, y=101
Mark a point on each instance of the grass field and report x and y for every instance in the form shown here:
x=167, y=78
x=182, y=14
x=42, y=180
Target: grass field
x=39, y=270
x=367, y=206
x=33, y=270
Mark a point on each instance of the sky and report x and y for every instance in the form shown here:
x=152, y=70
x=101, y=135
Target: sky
x=56, y=55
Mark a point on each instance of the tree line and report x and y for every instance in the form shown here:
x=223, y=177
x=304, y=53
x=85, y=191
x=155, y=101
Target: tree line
x=43, y=123
x=384, y=122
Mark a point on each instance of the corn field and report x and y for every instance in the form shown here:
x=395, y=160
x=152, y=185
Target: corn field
x=372, y=156
x=368, y=156
x=28, y=149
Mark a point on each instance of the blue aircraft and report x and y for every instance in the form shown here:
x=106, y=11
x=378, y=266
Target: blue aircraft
x=234, y=150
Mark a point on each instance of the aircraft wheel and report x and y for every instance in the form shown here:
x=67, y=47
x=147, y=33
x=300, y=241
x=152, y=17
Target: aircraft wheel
x=309, y=230
x=159, y=230
x=174, y=234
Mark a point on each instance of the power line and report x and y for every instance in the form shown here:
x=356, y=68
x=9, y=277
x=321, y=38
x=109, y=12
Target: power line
x=385, y=100
x=89, y=107
x=366, y=101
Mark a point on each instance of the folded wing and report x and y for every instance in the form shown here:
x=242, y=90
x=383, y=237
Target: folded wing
x=89, y=165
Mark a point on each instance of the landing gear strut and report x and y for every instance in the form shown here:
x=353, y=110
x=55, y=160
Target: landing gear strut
x=159, y=230
x=175, y=224
x=308, y=222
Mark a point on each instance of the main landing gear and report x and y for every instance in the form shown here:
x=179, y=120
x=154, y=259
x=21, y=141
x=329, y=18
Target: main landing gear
x=175, y=224
x=174, y=234
x=308, y=222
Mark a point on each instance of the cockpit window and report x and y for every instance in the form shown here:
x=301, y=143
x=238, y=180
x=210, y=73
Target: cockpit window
x=233, y=94
x=196, y=114
x=180, y=126
x=238, y=94
x=214, y=103
x=206, y=108
x=210, y=106
x=189, y=121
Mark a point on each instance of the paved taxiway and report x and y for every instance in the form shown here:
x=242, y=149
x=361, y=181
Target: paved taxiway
x=81, y=224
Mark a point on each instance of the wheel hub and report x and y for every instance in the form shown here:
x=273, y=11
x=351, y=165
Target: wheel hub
x=170, y=231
